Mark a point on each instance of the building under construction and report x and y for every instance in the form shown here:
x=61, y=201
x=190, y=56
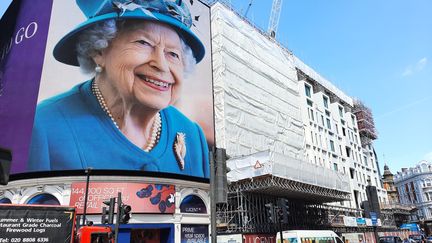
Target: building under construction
x=284, y=141
x=365, y=123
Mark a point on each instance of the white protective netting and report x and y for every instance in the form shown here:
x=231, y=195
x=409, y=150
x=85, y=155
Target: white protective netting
x=266, y=162
x=257, y=105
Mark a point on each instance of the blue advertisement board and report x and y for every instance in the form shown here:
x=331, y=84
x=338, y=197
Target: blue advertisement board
x=22, y=48
x=374, y=218
x=194, y=233
x=361, y=221
x=410, y=227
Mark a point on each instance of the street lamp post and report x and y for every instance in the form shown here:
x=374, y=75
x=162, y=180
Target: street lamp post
x=87, y=171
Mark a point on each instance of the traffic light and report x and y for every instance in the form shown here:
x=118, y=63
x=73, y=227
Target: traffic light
x=221, y=170
x=283, y=210
x=125, y=213
x=105, y=219
x=108, y=213
x=270, y=212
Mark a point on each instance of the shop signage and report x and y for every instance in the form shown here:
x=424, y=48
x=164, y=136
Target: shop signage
x=193, y=204
x=194, y=233
x=142, y=197
x=259, y=238
x=23, y=223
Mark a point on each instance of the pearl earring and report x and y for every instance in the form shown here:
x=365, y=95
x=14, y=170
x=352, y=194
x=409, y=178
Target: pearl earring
x=98, y=69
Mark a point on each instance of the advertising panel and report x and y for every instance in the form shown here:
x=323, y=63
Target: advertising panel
x=353, y=237
x=350, y=221
x=411, y=227
x=361, y=221
x=194, y=233
x=36, y=224
x=22, y=46
x=259, y=238
x=374, y=219
x=234, y=238
x=142, y=197
x=113, y=85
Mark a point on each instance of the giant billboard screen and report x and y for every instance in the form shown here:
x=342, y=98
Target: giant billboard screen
x=112, y=85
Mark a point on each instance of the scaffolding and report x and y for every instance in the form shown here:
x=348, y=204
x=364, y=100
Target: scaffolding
x=245, y=212
x=282, y=187
x=401, y=213
x=365, y=123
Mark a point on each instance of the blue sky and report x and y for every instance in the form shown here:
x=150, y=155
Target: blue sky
x=3, y=6
x=377, y=51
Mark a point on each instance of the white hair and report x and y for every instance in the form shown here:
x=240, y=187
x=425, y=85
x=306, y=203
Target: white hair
x=96, y=38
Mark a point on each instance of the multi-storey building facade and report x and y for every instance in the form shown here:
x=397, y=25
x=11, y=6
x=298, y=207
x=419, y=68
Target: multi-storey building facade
x=290, y=134
x=332, y=135
x=259, y=123
x=414, y=186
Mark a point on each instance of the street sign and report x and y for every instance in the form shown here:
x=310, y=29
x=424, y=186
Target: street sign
x=374, y=219
x=25, y=223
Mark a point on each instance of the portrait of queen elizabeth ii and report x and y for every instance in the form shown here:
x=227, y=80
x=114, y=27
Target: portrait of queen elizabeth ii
x=139, y=54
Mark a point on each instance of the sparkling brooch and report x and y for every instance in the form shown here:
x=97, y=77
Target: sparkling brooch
x=180, y=149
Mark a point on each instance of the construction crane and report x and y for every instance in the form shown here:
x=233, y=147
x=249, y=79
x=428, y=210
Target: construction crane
x=248, y=7
x=274, y=18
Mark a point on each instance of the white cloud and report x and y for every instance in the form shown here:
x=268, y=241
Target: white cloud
x=411, y=69
x=408, y=71
x=421, y=63
x=403, y=108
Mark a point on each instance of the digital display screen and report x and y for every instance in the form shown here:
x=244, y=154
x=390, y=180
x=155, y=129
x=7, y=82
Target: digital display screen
x=108, y=85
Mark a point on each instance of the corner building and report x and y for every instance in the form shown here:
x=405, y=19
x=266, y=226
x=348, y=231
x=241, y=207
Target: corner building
x=165, y=207
x=414, y=186
x=190, y=201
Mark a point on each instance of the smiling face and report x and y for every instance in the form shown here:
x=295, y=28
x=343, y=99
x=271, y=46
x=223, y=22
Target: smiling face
x=143, y=65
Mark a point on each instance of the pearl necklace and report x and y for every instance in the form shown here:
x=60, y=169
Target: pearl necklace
x=156, y=127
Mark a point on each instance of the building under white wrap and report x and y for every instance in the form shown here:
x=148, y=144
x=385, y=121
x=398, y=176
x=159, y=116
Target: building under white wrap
x=257, y=105
x=263, y=122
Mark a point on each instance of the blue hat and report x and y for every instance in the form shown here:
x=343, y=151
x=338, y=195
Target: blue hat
x=172, y=12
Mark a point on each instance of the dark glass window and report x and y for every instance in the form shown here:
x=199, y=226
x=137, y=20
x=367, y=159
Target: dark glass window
x=335, y=167
x=325, y=101
x=5, y=200
x=44, y=199
x=308, y=90
x=193, y=204
x=332, y=147
x=328, y=123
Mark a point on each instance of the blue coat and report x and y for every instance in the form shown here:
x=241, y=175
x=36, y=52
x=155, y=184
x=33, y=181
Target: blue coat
x=71, y=131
